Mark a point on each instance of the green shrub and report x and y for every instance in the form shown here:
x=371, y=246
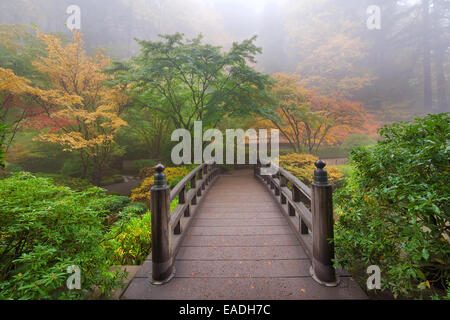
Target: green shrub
x=45, y=228
x=134, y=209
x=131, y=236
x=117, y=203
x=130, y=240
x=394, y=210
x=73, y=183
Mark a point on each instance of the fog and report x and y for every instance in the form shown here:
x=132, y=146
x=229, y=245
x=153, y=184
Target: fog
x=327, y=42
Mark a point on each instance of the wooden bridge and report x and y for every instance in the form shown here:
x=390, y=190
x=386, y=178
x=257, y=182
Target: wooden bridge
x=242, y=235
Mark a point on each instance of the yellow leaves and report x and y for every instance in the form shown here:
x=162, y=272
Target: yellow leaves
x=302, y=166
x=89, y=112
x=423, y=285
x=69, y=68
x=12, y=83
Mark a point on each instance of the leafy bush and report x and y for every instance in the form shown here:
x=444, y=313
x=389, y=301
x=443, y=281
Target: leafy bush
x=146, y=172
x=46, y=228
x=131, y=240
x=60, y=180
x=117, y=203
x=135, y=209
x=393, y=211
x=302, y=166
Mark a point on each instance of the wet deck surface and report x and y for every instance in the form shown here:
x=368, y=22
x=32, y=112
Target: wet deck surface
x=240, y=246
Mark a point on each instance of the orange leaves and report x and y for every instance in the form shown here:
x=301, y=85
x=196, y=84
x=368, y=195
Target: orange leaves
x=309, y=120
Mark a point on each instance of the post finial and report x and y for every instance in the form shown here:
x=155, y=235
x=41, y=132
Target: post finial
x=320, y=164
x=320, y=174
x=159, y=177
x=159, y=168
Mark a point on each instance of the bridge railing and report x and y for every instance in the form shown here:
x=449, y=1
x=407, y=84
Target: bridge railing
x=310, y=213
x=168, y=227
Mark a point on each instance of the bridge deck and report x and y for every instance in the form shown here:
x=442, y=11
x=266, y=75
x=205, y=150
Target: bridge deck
x=240, y=246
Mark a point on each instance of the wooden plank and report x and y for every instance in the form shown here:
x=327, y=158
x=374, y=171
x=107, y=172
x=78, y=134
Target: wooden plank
x=240, y=244
x=294, y=252
x=299, y=288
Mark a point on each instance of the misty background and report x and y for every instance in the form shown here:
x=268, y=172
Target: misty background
x=400, y=71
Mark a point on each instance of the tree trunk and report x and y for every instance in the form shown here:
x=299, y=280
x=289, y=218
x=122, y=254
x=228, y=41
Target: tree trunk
x=441, y=81
x=428, y=93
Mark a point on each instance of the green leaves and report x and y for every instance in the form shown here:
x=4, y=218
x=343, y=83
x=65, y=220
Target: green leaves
x=188, y=80
x=46, y=228
x=395, y=206
x=425, y=254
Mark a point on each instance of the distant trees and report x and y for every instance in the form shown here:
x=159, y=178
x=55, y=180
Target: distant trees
x=308, y=120
x=189, y=81
x=399, y=71
x=327, y=50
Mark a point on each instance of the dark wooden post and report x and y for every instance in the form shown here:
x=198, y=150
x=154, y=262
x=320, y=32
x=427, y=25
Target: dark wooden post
x=160, y=210
x=322, y=269
x=298, y=197
x=200, y=177
x=283, y=184
x=193, y=186
x=205, y=172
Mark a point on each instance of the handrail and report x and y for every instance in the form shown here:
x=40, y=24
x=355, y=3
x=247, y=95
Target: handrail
x=180, y=185
x=167, y=227
x=295, y=181
x=313, y=225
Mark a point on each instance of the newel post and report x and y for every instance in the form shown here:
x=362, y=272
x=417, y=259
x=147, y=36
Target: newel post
x=322, y=269
x=162, y=267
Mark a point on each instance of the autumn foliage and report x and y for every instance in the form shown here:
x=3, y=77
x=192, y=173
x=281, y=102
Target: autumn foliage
x=308, y=120
x=302, y=166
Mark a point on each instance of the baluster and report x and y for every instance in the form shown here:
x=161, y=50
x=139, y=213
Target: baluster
x=199, y=191
x=193, y=186
x=322, y=268
x=298, y=196
x=182, y=200
x=162, y=266
x=206, y=171
x=277, y=188
x=177, y=229
x=291, y=210
x=283, y=199
x=283, y=184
